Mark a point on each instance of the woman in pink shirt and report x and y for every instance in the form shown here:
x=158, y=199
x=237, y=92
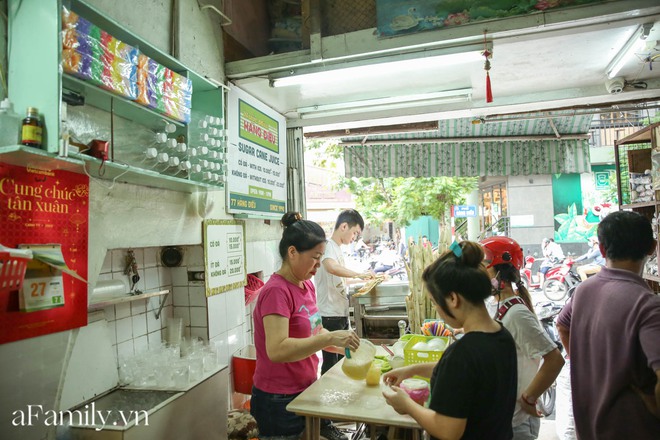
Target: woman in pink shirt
x=288, y=333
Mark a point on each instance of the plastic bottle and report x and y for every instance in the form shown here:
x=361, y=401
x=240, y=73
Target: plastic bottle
x=32, y=130
x=10, y=123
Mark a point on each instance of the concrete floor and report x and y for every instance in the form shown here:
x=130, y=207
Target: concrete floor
x=547, y=431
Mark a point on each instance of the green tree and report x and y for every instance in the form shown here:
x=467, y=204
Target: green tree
x=397, y=199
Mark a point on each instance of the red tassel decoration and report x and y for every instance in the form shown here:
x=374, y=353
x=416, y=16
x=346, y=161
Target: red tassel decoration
x=489, y=91
x=487, y=54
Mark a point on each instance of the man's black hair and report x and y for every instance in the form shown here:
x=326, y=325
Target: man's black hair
x=626, y=235
x=350, y=217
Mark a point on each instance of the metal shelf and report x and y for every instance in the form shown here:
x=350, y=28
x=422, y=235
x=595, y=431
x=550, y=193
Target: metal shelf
x=640, y=205
x=101, y=303
x=651, y=277
x=20, y=155
x=120, y=106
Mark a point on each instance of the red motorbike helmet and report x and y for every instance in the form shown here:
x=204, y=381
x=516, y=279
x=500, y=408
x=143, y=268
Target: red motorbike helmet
x=502, y=250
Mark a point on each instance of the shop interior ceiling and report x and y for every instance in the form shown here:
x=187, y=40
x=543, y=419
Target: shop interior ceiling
x=557, y=59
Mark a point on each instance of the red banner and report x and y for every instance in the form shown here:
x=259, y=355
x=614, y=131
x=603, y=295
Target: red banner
x=41, y=206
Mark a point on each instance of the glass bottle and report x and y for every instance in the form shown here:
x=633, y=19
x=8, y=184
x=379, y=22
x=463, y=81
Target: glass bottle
x=31, y=131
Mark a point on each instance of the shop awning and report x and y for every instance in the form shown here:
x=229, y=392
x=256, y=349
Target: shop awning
x=462, y=149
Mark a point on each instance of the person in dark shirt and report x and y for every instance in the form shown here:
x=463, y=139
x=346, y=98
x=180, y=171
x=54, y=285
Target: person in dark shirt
x=473, y=386
x=611, y=331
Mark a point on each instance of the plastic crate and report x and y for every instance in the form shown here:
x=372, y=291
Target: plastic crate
x=411, y=356
x=252, y=289
x=12, y=271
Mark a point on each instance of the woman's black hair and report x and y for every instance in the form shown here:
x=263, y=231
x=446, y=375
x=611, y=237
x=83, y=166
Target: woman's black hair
x=465, y=275
x=509, y=274
x=301, y=234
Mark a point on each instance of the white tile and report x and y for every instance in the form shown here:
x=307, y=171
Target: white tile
x=153, y=324
x=124, y=329
x=179, y=276
x=250, y=257
x=151, y=280
x=220, y=342
x=139, y=325
x=198, y=317
x=235, y=310
x=125, y=349
x=109, y=313
x=138, y=306
x=164, y=276
x=165, y=314
x=182, y=312
x=180, y=296
x=155, y=338
x=112, y=329
x=153, y=303
x=141, y=344
x=151, y=257
x=122, y=310
x=199, y=332
x=197, y=296
x=217, y=315
x=118, y=260
x=235, y=340
x=195, y=256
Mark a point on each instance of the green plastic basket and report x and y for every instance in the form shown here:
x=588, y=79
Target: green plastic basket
x=411, y=356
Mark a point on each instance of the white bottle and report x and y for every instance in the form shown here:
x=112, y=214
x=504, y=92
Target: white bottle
x=172, y=162
x=167, y=127
x=10, y=124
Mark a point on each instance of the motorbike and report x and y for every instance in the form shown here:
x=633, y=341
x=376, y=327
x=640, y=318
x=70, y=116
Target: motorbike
x=398, y=271
x=547, y=312
x=526, y=275
x=560, y=280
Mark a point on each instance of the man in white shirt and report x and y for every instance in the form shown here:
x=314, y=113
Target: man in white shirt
x=331, y=291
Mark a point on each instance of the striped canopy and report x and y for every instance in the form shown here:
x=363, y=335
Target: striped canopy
x=414, y=156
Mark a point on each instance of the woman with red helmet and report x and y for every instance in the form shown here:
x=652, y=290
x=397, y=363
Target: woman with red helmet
x=504, y=259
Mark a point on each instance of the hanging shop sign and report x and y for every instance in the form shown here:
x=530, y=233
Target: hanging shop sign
x=465, y=211
x=256, y=157
x=224, y=255
x=45, y=213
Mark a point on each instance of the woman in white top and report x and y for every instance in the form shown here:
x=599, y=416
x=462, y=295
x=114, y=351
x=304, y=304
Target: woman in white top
x=504, y=258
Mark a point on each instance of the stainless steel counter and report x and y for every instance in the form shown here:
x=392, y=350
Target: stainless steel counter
x=378, y=313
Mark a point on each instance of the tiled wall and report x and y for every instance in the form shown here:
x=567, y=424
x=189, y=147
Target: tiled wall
x=222, y=319
x=133, y=325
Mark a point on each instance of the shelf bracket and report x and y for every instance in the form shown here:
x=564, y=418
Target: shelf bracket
x=162, y=304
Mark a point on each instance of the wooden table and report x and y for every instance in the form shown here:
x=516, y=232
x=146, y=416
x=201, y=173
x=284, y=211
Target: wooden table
x=337, y=397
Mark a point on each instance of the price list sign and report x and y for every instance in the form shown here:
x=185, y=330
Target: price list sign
x=224, y=255
x=256, y=157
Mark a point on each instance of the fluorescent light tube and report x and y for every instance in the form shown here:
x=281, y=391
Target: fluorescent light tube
x=634, y=44
x=383, y=104
x=369, y=68
x=416, y=99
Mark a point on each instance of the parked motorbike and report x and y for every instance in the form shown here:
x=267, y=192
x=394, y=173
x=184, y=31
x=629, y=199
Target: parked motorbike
x=559, y=280
x=398, y=271
x=526, y=275
x=547, y=312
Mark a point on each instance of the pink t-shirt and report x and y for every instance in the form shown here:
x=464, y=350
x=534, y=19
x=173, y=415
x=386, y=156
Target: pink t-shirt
x=280, y=297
